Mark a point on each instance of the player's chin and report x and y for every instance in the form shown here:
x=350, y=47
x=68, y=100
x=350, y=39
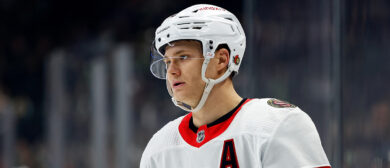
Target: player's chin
x=182, y=98
x=178, y=96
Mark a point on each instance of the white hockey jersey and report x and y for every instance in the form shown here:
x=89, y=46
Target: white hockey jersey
x=258, y=133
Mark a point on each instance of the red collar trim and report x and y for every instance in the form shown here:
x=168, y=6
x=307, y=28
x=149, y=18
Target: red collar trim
x=208, y=134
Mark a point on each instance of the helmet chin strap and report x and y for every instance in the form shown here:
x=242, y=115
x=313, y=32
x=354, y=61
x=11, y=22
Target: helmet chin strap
x=207, y=89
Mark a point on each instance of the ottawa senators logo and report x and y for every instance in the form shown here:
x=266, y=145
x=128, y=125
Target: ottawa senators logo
x=236, y=59
x=280, y=104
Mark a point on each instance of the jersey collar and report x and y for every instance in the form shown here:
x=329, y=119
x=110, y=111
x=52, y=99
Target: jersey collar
x=199, y=136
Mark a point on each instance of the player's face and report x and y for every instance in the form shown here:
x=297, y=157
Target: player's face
x=184, y=72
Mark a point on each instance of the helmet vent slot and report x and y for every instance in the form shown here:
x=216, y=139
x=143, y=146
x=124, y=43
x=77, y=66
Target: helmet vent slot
x=197, y=27
x=184, y=16
x=162, y=30
x=232, y=28
x=199, y=22
x=238, y=30
x=229, y=19
x=183, y=23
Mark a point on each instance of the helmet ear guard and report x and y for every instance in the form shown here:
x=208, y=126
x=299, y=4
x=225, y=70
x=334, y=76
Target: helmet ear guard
x=212, y=26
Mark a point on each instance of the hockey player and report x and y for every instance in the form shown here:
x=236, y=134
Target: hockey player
x=198, y=51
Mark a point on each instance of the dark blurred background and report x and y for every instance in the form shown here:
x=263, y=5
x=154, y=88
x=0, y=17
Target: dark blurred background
x=76, y=91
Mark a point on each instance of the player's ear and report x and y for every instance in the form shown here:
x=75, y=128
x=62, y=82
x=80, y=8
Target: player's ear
x=222, y=56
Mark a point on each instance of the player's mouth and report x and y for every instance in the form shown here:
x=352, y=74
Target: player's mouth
x=177, y=85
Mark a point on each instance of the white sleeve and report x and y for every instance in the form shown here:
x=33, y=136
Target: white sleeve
x=146, y=159
x=295, y=143
x=145, y=162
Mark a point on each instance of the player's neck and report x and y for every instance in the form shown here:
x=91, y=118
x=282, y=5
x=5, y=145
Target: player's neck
x=222, y=99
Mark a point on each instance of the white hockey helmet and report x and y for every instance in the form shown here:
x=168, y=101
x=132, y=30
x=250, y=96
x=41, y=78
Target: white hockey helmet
x=211, y=26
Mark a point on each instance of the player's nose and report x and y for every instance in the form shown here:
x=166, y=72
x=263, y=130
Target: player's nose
x=173, y=69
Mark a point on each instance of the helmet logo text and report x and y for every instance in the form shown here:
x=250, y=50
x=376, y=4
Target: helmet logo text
x=211, y=8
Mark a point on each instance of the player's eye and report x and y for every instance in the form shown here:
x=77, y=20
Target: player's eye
x=183, y=57
x=167, y=61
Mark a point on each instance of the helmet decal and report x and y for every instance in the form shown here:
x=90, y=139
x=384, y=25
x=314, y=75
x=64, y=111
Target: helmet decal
x=236, y=60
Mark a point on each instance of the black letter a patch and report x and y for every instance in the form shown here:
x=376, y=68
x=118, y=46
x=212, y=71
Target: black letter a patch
x=229, y=156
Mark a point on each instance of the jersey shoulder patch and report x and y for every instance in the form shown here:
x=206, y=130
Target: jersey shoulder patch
x=280, y=103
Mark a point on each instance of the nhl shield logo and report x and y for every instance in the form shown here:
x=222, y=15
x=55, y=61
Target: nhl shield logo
x=200, y=136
